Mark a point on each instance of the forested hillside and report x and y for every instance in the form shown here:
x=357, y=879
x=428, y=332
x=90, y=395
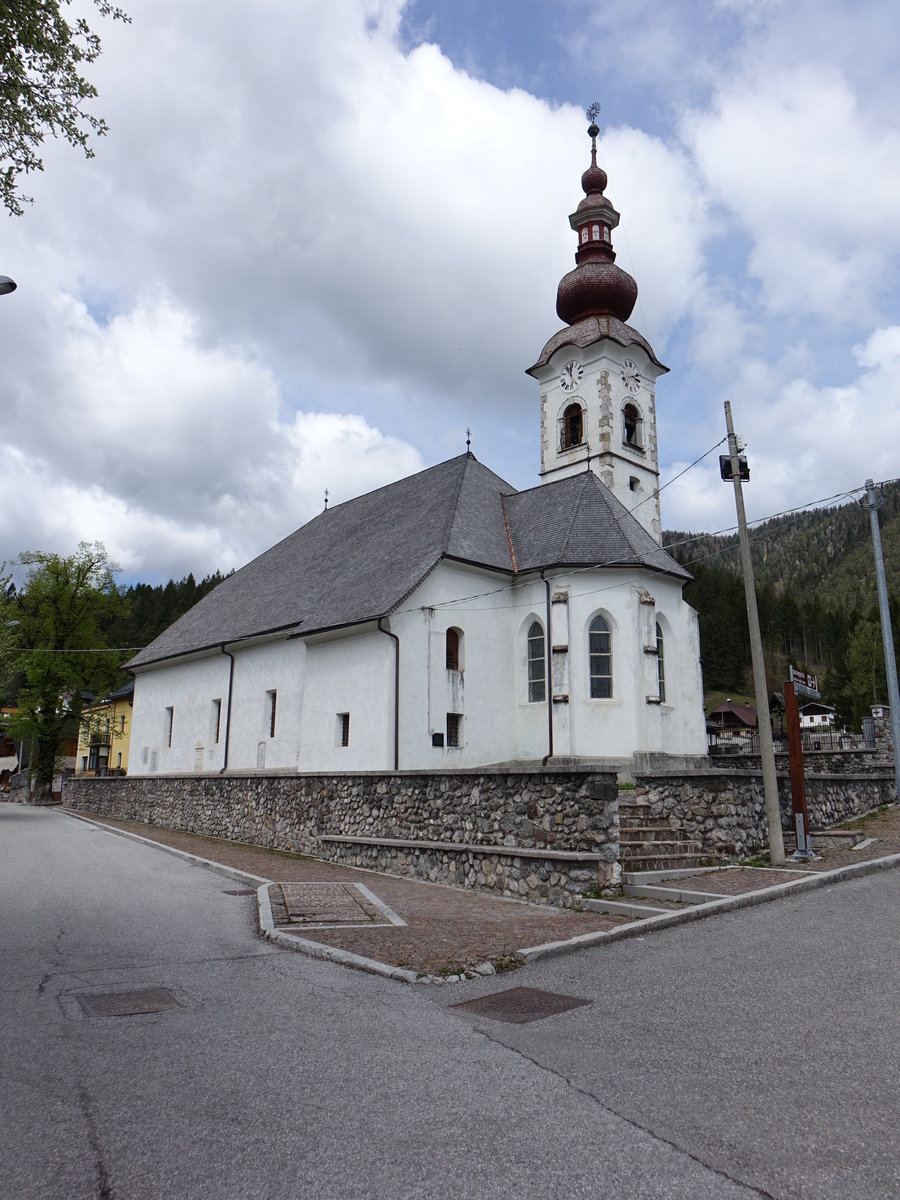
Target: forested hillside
x=815, y=578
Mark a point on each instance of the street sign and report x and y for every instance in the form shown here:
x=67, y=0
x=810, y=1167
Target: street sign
x=805, y=684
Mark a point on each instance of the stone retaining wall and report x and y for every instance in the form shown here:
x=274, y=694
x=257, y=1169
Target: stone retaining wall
x=480, y=820
x=726, y=812
x=865, y=761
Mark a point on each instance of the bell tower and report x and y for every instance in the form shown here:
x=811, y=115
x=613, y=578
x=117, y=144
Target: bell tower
x=598, y=375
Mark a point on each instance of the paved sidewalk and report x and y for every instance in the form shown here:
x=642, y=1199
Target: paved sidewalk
x=434, y=932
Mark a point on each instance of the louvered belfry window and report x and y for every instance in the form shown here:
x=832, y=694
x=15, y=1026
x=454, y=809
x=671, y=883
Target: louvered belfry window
x=573, y=427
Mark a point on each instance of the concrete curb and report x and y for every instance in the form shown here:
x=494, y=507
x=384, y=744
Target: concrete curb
x=346, y=958
x=208, y=863
x=532, y=953
x=264, y=910
x=727, y=904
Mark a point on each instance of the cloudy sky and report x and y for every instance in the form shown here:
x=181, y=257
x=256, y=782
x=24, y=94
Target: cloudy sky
x=323, y=238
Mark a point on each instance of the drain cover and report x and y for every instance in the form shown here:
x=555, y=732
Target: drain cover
x=521, y=1004
x=241, y=892
x=126, y=1004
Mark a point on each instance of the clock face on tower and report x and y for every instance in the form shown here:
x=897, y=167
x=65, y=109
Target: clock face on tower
x=631, y=377
x=571, y=376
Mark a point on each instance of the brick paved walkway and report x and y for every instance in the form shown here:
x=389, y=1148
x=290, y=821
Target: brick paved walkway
x=448, y=930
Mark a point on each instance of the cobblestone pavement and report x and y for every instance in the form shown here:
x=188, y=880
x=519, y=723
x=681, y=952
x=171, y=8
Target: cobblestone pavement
x=448, y=930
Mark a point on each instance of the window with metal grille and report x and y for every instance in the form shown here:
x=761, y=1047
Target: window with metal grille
x=572, y=427
x=343, y=729
x=600, y=655
x=454, y=729
x=271, y=702
x=660, y=663
x=537, y=664
x=452, y=651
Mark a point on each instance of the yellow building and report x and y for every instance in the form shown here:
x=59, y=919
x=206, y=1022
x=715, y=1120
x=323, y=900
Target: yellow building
x=105, y=733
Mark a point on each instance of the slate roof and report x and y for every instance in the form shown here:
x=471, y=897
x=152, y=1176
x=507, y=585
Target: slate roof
x=360, y=560
x=577, y=521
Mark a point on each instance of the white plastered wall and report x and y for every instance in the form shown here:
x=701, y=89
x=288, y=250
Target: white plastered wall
x=318, y=678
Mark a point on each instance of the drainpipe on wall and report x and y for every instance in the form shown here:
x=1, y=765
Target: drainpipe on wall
x=396, y=641
x=549, y=671
x=228, y=708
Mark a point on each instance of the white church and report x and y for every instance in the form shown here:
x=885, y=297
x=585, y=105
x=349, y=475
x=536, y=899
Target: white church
x=448, y=620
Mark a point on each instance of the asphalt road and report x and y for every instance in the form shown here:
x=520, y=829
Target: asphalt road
x=754, y=1054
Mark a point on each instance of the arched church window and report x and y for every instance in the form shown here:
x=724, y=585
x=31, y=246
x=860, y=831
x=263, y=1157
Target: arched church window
x=453, y=645
x=606, y=233
x=537, y=664
x=660, y=663
x=595, y=233
x=573, y=427
x=600, y=658
x=632, y=421
x=584, y=234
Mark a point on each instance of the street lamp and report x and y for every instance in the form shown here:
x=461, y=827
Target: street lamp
x=7, y=285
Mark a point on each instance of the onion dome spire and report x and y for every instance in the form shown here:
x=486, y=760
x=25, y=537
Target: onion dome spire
x=596, y=287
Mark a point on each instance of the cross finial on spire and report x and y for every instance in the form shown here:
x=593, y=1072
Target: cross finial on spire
x=468, y=439
x=592, y=113
x=326, y=499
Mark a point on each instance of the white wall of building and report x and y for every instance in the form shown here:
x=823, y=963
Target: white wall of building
x=317, y=680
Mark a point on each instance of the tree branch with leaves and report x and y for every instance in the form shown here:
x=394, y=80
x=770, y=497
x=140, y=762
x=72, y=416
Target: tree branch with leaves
x=42, y=88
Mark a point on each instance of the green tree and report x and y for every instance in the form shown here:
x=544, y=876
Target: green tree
x=865, y=663
x=42, y=89
x=61, y=610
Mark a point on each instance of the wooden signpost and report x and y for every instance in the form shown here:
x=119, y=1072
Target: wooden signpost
x=806, y=685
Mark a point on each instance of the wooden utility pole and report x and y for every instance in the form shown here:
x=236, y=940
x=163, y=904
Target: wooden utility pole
x=766, y=748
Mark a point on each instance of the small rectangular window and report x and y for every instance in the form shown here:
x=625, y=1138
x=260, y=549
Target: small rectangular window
x=122, y=723
x=343, y=729
x=437, y=739
x=215, y=721
x=271, y=701
x=454, y=729
x=119, y=761
x=170, y=725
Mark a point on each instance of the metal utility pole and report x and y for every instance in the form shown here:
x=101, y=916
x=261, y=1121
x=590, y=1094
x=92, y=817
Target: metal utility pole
x=766, y=748
x=873, y=503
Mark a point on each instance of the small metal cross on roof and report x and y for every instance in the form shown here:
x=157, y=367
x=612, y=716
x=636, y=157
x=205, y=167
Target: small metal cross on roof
x=468, y=439
x=326, y=499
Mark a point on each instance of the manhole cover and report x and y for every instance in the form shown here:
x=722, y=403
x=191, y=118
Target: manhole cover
x=126, y=1004
x=521, y=1004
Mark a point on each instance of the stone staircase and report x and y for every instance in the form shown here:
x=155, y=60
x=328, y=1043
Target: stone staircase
x=649, y=844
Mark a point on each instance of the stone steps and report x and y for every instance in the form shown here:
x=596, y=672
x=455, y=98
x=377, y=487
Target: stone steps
x=647, y=844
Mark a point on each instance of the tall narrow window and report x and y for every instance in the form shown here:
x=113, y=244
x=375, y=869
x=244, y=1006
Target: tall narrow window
x=170, y=725
x=454, y=729
x=271, y=701
x=573, y=427
x=452, y=650
x=600, y=652
x=215, y=721
x=537, y=664
x=343, y=729
x=660, y=663
x=632, y=420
